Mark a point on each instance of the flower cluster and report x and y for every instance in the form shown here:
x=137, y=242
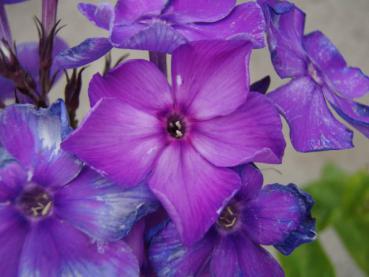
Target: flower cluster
x=160, y=178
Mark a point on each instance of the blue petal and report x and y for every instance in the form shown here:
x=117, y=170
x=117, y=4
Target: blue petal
x=33, y=138
x=306, y=231
x=356, y=114
x=102, y=209
x=100, y=14
x=88, y=51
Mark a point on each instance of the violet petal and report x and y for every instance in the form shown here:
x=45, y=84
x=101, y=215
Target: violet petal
x=118, y=140
x=253, y=133
x=100, y=208
x=312, y=125
x=211, y=78
x=191, y=189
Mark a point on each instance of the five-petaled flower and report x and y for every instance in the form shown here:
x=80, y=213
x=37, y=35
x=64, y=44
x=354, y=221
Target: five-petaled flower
x=162, y=25
x=319, y=73
x=273, y=215
x=58, y=217
x=182, y=137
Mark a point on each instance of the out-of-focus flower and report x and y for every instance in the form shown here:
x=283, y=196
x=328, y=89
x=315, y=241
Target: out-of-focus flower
x=59, y=218
x=273, y=215
x=161, y=26
x=182, y=137
x=29, y=58
x=319, y=74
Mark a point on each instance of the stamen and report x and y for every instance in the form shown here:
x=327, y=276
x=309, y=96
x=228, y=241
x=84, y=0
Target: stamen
x=35, y=202
x=228, y=218
x=176, y=127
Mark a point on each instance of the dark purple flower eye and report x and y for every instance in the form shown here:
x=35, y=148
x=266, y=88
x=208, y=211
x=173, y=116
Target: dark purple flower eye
x=35, y=202
x=228, y=217
x=176, y=126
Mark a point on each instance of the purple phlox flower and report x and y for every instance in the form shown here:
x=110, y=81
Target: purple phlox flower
x=58, y=217
x=161, y=26
x=319, y=75
x=273, y=215
x=182, y=137
x=28, y=56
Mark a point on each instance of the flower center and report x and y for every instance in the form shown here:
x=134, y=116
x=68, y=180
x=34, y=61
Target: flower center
x=176, y=127
x=35, y=202
x=315, y=74
x=228, y=217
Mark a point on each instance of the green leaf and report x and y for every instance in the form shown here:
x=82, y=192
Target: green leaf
x=354, y=234
x=353, y=226
x=327, y=193
x=306, y=261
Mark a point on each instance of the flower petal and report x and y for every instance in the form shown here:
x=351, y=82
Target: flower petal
x=200, y=10
x=306, y=230
x=12, y=179
x=135, y=240
x=13, y=230
x=356, y=114
x=346, y=81
x=158, y=36
x=127, y=11
x=255, y=260
x=191, y=190
x=252, y=181
x=88, y=51
x=33, y=138
x=118, y=140
x=349, y=82
x=322, y=51
x=285, y=34
x=211, y=78
x=149, y=92
x=100, y=14
x=246, y=22
x=170, y=257
x=312, y=125
x=224, y=260
x=55, y=248
x=29, y=58
x=99, y=208
x=253, y=133
x=280, y=215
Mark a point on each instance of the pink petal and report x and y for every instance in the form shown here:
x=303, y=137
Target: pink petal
x=138, y=83
x=191, y=190
x=118, y=140
x=211, y=78
x=253, y=133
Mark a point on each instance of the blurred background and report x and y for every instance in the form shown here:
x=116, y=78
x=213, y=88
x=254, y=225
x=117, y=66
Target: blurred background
x=346, y=23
